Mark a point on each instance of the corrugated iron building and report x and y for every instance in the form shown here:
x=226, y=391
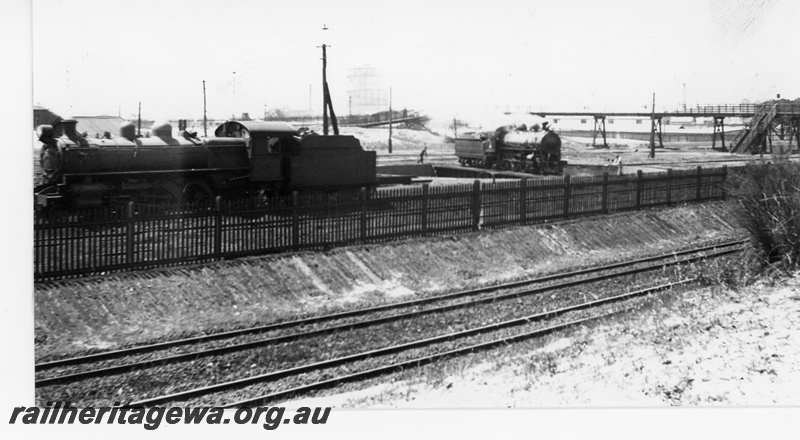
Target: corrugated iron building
x=96, y=126
x=42, y=116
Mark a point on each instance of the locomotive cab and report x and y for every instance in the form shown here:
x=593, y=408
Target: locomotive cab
x=269, y=144
x=281, y=158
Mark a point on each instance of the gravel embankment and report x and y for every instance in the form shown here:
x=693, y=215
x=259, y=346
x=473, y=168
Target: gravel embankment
x=71, y=318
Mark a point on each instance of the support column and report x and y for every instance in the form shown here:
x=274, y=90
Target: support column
x=768, y=138
x=656, y=131
x=599, y=123
x=784, y=125
x=660, y=132
x=719, y=127
x=794, y=132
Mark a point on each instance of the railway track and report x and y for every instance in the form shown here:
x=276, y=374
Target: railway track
x=408, y=363
x=180, y=355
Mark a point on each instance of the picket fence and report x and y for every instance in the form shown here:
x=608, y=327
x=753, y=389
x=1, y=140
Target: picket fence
x=100, y=241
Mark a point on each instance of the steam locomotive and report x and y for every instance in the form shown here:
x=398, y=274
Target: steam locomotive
x=513, y=148
x=242, y=157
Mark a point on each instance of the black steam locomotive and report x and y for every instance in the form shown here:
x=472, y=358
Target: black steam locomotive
x=242, y=157
x=513, y=148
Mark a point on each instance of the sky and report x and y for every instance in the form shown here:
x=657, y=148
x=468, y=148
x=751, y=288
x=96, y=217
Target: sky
x=441, y=58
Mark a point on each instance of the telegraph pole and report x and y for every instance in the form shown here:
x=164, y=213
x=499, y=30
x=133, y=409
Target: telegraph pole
x=234, y=95
x=684, y=96
x=205, y=119
x=390, y=120
x=324, y=89
x=327, y=104
x=652, y=154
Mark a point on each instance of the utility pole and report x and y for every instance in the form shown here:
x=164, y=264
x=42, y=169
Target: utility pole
x=205, y=119
x=390, y=120
x=233, y=113
x=684, y=96
x=652, y=154
x=327, y=104
x=324, y=87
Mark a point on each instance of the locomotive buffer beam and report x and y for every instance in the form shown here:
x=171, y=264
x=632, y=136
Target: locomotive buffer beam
x=46, y=194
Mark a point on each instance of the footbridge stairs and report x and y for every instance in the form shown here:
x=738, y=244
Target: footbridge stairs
x=781, y=119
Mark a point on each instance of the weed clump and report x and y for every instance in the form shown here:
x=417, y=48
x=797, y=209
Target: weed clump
x=769, y=209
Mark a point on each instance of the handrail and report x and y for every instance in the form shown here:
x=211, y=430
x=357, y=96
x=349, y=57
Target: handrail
x=782, y=107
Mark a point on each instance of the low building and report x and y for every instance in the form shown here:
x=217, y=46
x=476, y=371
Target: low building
x=97, y=126
x=43, y=116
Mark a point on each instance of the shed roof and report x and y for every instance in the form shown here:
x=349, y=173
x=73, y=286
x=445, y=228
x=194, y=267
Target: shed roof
x=94, y=125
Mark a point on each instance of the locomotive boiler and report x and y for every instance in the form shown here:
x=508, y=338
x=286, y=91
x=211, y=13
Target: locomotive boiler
x=513, y=148
x=242, y=157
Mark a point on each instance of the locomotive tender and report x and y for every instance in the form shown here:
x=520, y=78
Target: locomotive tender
x=513, y=148
x=243, y=157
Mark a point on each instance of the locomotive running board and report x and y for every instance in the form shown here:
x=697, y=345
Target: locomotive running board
x=194, y=170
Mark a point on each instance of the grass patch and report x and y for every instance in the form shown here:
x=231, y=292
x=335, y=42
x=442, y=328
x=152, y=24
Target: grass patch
x=769, y=209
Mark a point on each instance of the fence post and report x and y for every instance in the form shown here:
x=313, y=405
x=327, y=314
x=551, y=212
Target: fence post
x=217, y=226
x=724, y=188
x=604, y=200
x=699, y=182
x=523, y=204
x=639, y=177
x=364, y=195
x=295, y=221
x=567, y=190
x=424, y=208
x=476, y=205
x=129, y=235
x=669, y=186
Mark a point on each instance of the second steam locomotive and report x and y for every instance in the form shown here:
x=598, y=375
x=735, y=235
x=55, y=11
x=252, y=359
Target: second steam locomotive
x=243, y=157
x=513, y=148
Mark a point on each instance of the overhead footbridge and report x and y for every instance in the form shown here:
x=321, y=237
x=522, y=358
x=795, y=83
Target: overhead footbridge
x=781, y=119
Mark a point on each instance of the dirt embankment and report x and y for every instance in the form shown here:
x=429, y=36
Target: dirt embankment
x=106, y=313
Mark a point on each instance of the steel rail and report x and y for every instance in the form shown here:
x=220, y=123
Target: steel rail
x=295, y=336
x=414, y=363
x=182, y=395
x=351, y=313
